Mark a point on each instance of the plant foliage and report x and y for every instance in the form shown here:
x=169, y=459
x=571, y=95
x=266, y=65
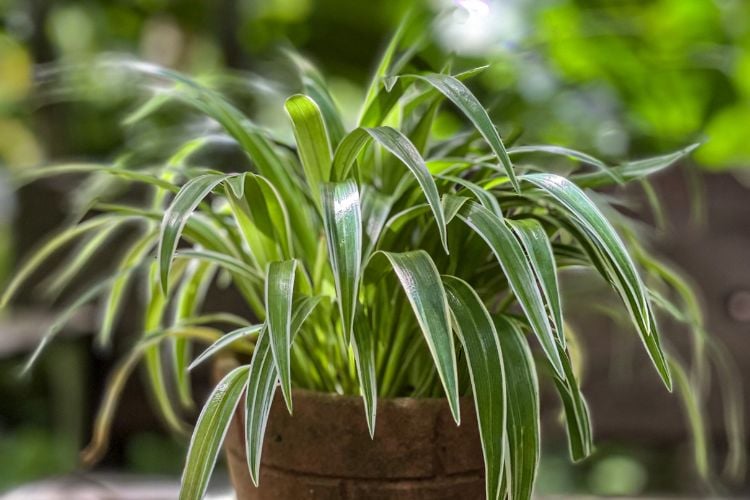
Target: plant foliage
x=375, y=261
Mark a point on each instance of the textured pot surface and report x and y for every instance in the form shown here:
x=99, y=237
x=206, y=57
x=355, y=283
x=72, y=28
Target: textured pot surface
x=324, y=451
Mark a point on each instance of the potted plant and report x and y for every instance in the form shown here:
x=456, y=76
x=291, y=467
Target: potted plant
x=379, y=267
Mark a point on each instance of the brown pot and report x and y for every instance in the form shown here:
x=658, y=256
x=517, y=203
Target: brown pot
x=324, y=451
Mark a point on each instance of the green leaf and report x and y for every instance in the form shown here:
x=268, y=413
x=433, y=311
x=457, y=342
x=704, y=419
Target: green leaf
x=694, y=413
x=463, y=99
x=400, y=146
x=209, y=433
x=65, y=315
x=364, y=347
x=633, y=170
x=620, y=265
x=315, y=86
x=177, y=215
x=135, y=254
x=153, y=316
x=279, y=296
x=262, y=217
x=342, y=219
x=604, y=169
x=47, y=249
x=225, y=341
x=539, y=251
x=375, y=91
x=518, y=271
x=477, y=334
x=189, y=298
x=313, y=146
x=80, y=257
x=26, y=176
x=375, y=209
x=523, y=409
x=224, y=261
x=577, y=419
x=424, y=289
x=261, y=387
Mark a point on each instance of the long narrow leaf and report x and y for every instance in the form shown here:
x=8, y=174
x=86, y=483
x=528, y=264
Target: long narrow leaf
x=477, y=334
x=342, y=219
x=209, y=433
x=523, y=409
x=364, y=346
x=517, y=270
x=624, y=273
x=225, y=341
x=424, y=289
x=539, y=250
x=262, y=379
x=400, y=146
x=177, y=215
x=313, y=145
x=279, y=294
x=461, y=96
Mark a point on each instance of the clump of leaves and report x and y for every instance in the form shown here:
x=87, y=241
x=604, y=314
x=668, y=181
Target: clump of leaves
x=378, y=261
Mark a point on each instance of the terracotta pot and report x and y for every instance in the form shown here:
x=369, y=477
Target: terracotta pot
x=324, y=451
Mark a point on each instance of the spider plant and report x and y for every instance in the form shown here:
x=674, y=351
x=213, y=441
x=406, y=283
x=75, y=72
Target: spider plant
x=373, y=260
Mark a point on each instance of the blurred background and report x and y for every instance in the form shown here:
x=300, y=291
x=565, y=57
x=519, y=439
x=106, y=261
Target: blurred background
x=619, y=79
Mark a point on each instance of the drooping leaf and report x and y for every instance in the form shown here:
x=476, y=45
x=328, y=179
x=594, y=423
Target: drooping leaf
x=523, y=409
x=209, y=433
x=518, y=271
x=342, y=220
x=577, y=419
x=398, y=145
x=279, y=300
x=539, y=251
x=46, y=250
x=135, y=254
x=477, y=334
x=618, y=263
x=694, y=413
x=604, y=169
x=177, y=215
x=633, y=170
x=261, y=387
x=424, y=289
x=189, y=298
x=80, y=257
x=364, y=346
x=453, y=89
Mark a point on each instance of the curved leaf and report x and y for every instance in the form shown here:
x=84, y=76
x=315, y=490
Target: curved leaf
x=209, y=433
x=313, y=146
x=477, y=334
x=177, y=215
x=342, y=219
x=46, y=250
x=400, y=146
x=364, y=347
x=261, y=387
x=452, y=88
x=517, y=270
x=224, y=341
x=619, y=264
x=539, y=251
x=424, y=289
